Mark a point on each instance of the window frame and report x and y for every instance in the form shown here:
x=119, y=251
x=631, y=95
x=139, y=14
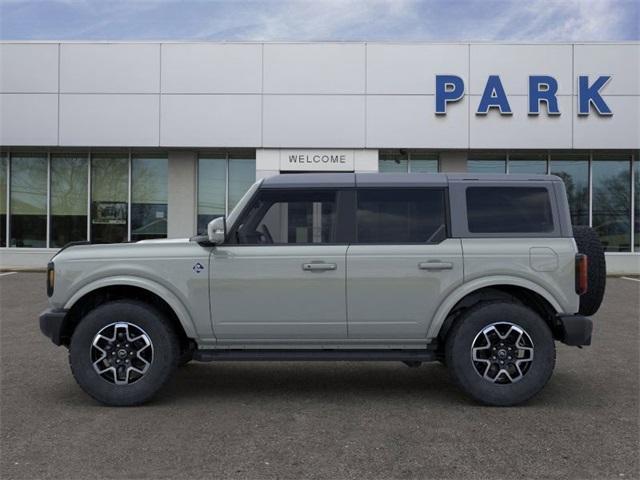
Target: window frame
x=345, y=203
x=447, y=215
x=460, y=223
x=226, y=156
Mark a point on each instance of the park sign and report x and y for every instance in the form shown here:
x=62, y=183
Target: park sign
x=542, y=90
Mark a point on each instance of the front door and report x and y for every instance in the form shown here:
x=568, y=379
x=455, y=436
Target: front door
x=402, y=264
x=282, y=275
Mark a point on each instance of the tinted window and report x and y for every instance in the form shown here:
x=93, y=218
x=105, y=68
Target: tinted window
x=573, y=169
x=290, y=217
x=68, y=221
x=28, y=201
x=509, y=210
x=611, y=186
x=401, y=216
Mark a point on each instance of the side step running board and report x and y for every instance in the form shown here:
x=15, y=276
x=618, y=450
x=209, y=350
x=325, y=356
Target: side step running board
x=422, y=355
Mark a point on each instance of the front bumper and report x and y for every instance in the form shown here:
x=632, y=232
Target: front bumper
x=52, y=325
x=575, y=330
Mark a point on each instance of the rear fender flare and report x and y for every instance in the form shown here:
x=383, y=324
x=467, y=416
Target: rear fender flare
x=466, y=288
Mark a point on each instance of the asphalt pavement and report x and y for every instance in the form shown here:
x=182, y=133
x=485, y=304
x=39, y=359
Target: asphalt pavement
x=319, y=420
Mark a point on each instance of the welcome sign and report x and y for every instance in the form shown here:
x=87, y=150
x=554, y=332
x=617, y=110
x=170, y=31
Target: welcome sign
x=317, y=160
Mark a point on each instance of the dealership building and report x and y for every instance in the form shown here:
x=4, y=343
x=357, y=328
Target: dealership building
x=117, y=142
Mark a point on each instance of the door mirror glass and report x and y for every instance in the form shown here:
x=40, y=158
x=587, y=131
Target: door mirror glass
x=217, y=230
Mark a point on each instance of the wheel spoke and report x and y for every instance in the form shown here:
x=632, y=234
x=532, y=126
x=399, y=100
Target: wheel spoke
x=502, y=353
x=117, y=351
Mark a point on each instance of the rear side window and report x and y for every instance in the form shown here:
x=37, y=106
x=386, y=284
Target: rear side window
x=509, y=210
x=401, y=216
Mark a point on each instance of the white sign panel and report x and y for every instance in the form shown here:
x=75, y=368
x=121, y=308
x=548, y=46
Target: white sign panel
x=317, y=160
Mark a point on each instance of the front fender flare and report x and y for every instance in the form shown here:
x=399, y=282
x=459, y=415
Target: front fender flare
x=466, y=288
x=164, y=293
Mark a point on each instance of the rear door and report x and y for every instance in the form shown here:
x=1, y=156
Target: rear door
x=402, y=263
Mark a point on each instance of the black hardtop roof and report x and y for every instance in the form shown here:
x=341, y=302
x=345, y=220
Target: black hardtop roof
x=344, y=180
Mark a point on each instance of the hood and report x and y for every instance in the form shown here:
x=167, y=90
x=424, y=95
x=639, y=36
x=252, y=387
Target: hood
x=164, y=240
x=118, y=251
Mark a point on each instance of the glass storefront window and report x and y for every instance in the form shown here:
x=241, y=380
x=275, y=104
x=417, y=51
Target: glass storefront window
x=242, y=174
x=636, y=188
x=393, y=162
x=28, y=207
x=573, y=169
x=68, y=210
x=412, y=162
x=212, y=174
x=528, y=162
x=4, y=162
x=215, y=172
x=487, y=162
x=611, y=184
x=423, y=162
x=109, y=196
x=149, y=196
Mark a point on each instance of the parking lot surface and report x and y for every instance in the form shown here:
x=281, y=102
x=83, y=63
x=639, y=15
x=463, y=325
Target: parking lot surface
x=319, y=420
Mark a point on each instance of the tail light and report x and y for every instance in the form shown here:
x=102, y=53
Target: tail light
x=582, y=265
x=51, y=278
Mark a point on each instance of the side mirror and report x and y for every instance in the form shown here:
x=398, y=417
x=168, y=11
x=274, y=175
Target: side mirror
x=217, y=230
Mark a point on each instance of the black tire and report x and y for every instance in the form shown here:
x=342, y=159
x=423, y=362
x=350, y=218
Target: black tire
x=589, y=243
x=164, y=360
x=458, y=353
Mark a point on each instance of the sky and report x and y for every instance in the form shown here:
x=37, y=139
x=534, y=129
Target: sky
x=321, y=20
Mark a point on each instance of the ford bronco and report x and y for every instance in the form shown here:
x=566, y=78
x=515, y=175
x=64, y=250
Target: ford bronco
x=482, y=273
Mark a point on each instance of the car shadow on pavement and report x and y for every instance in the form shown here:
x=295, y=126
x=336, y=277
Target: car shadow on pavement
x=203, y=383
x=384, y=382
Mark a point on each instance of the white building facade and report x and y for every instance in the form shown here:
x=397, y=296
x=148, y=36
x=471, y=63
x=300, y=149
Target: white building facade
x=113, y=142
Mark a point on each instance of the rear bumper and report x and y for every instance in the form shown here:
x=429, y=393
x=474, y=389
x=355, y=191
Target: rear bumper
x=52, y=322
x=575, y=330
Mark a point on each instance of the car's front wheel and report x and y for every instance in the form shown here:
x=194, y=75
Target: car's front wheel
x=123, y=352
x=500, y=353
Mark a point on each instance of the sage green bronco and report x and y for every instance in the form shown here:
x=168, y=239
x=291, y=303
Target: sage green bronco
x=480, y=273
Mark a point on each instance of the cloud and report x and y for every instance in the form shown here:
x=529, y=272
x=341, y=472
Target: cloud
x=330, y=20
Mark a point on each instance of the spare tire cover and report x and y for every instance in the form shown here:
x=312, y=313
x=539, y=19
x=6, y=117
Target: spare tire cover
x=588, y=243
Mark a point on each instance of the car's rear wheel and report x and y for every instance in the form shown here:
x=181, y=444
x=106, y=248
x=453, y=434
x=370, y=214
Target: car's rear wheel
x=500, y=353
x=123, y=352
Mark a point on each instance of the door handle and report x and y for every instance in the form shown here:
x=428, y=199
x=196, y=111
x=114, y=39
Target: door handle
x=435, y=265
x=318, y=267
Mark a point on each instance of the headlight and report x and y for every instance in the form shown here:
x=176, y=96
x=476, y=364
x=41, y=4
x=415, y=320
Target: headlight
x=51, y=278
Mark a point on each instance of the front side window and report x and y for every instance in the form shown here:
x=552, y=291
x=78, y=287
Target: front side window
x=290, y=217
x=509, y=210
x=401, y=216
